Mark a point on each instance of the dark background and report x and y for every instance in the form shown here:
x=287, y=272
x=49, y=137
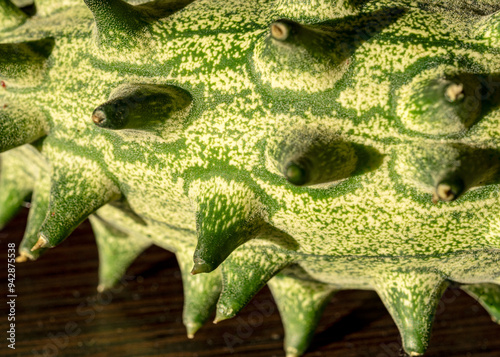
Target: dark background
x=59, y=313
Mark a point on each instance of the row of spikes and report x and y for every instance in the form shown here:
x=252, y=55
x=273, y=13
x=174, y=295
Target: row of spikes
x=304, y=159
x=411, y=312
x=300, y=302
x=410, y=297
x=316, y=162
x=118, y=22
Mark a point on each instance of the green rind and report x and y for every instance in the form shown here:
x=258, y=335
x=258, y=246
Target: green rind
x=412, y=297
x=244, y=273
x=201, y=292
x=38, y=210
x=117, y=251
x=16, y=183
x=301, y=304
x=78, y=188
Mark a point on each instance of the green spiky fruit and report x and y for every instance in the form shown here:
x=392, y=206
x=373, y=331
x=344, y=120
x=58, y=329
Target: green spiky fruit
x=315, y=145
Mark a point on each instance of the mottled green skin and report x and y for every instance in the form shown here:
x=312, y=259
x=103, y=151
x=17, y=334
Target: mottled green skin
x=212, y=174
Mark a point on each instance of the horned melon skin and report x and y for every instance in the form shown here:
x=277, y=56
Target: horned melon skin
x=265, y=85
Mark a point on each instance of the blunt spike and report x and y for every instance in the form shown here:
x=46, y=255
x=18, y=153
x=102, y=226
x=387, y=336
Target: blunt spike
x=244, y=273
x=139, y=106
x=10, y=15
x=25, y=60
x=487, y=295
x=79, y=188
x=15, y=186
x=449, y=171
x=117, y=250
x=229, y=215
x=442, y=102
x=320, y=53
x=412, y=297
x=310, y=157
x=200, y=293
x=119, y=23
x=38, y=210
x=301, y=304
x=21, y=125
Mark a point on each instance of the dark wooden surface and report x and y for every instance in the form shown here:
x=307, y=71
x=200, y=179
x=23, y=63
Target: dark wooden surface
x=59, y=313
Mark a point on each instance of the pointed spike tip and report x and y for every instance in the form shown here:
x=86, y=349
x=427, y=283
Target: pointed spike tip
x=41, y=243
x=191, y=329
x=222, y=315
x=201, y=267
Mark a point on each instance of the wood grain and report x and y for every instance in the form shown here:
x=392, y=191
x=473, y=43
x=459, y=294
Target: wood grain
x=59, y=313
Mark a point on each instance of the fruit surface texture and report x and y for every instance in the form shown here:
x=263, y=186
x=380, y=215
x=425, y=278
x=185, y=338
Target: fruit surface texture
x=314, y=146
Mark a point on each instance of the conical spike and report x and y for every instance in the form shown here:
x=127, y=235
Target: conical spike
x=229, y=215
x=26, y=59
x=442, y=102
x=319, y=52
x=332, y=43
x=139, y=106
x=15, y=186
x=449, y=170
x=309, y=157
x=488, y=295
x=200, y=292
x=412, y=297
x=38, y=211
x=117, y=250
x=301, y=304
x=488, y=29
x=244, y=273
x=79, y=188
x=10, y=15
x=119, y=23
x=21, y=125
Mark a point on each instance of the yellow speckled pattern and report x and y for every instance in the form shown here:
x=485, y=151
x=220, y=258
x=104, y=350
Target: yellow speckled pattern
x=358, y=148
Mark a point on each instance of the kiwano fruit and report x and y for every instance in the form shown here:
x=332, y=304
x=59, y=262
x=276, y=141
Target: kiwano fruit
x=312, y=145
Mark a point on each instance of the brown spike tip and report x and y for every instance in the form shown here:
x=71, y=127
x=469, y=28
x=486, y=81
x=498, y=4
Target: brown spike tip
x=98, y=117
x=279, y=31
x=201, y=267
